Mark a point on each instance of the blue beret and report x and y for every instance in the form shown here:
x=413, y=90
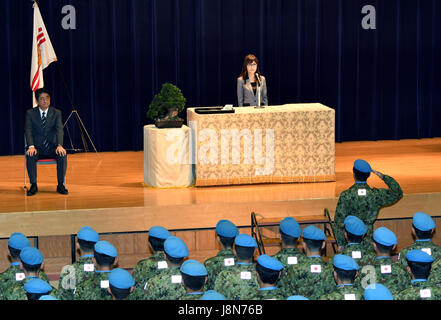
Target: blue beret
x=269, y=262
x=377, y=291
x=355, y=226
x=106, y=248
x=385, y=237
x=344, y=262
x=297, y=298
x=31, y=256
x=88, y=234
x=36, y=285
x=313, y=233
x=212, y=295
x=245, y=240
x=362, y=166
x=422, y=221
x=419, y=256
x=175, y=247
x=18, y=241
x=47, y=297
x=121, y=279
x=290, y=227
x=193, y=268
x=159, y=232
x=227, y=229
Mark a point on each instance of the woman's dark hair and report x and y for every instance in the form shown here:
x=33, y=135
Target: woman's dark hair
x=86, y=245
x=103, y=259
x=156, y=243
x=36, y=296
x=353, y=238
x=249, y=59
x=383, y=249
x=422, y=234
x=361, y=176
x=345, y=275
x=267, y=276
x=15, y=253
x=420, y=270
x=288, y=240
x=38, y=92
x=31, y=267
x=313, y=245
x=119, y=294
x=195, y=283
x=244, y=253
x=174, y=260
x=227, y=242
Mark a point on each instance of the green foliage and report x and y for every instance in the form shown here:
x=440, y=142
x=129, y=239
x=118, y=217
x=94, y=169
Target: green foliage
x=169, y=97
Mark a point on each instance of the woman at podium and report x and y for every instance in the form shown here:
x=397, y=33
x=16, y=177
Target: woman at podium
x=251, y=85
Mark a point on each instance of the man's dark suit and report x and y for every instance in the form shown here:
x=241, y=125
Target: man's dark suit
x=35, y=135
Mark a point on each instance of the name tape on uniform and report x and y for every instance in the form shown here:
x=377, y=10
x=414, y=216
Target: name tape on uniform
x=386, y=268
x=316, y=268
x=162, y=265
x=104, y=284
x=349, y=296
x=425, y=293
x=362, y=192
x=19, y=276
x=245, y=275
x=229, y=262
x=176, y=279
x=356, y=254
x=88, y=267
x=292, y=260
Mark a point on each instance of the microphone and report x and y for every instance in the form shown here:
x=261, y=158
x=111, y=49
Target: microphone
x=256, y=75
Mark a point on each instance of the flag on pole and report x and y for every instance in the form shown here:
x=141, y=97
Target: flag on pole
x=43, y=53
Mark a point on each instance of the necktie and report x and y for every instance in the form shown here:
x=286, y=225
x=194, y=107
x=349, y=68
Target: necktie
x=43, y=120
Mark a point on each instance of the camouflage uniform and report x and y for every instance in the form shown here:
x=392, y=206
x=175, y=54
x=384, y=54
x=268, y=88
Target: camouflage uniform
x=7, y=278
x=414, y=291
x=295, y=258
x=145, y=270
x=342, y=291
x=161, y=287
x=396, y=280
x=17, y=291
x=90, y=289
x=270, y=293
x=216, y=265
x=230, y=284
x=365, y=207
x=435, y=273
x=73, y=275
x=193, y=296
x=435, y=250
x=355, y=249
x=302, y=281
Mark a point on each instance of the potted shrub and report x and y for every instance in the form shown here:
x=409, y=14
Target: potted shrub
x=166, y=106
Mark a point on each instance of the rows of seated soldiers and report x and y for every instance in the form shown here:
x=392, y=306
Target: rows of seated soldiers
x=365, y=268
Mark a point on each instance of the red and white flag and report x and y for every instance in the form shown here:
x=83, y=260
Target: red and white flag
x=43, y=53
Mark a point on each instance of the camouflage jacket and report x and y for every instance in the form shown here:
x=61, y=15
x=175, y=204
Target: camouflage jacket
x=17, y=291
x=272, y=293
x=217, y=264
x=290, y=258
x=94, y=288
x=311, y=279
x=73, y=275
x=359, y=253
x=420, y=290
x=344, y=292
x=435, y=273
x=365, y=206
x=165, y=286
x=238, y=282
x=145, y=270
x=426, y=245
x=8, y=278
x=193, y=296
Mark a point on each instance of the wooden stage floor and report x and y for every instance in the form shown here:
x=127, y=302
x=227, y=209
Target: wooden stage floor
x=106, y=192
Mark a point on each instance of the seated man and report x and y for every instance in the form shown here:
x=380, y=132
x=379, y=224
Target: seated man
x=194, y=278
x=44, y=139
x=121, y=284
x=269, y=270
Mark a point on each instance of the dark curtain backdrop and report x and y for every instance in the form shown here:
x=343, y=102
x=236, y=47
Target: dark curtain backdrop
x=383, y=83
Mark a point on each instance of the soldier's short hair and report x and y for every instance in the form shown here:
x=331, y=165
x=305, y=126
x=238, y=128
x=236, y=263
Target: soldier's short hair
x=120, y=294
x=420, y=270
x=195, y=283
x=15, y=253
x=361, y=176
x=353, y=238
x=31, y=267
x=422, y=234
x=288, y=240
x=174, y=260
x=86, y=245
x=382, y=248
x=244, y=253
x=156, y=243
x=313, y=245
x=267, y=276
x=345, y=275
x=227, y=242
x=103, y=259
x=35, y=296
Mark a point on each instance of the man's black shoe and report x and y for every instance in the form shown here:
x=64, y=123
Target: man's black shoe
x=32, y=190
x=61, y=189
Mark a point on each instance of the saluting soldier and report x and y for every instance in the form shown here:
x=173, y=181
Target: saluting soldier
x=194, y=278
x=363, y=201
x=226, y=232
x=148, y=268
x=423, y=228
x=82, y=269
x=167, y=285
x=240, y=281
x=95, y=287
x=269, y=271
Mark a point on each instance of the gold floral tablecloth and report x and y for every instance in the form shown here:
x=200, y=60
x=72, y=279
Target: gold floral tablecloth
x=276, y=144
